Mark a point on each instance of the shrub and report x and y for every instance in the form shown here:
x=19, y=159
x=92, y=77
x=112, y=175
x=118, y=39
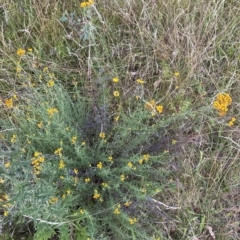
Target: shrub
x=71, y=176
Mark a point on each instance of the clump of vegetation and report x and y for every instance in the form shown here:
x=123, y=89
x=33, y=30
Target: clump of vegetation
x=119, y=120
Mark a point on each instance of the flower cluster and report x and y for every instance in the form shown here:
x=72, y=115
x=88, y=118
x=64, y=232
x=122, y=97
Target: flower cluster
x=61, y=164
x=4, y=198
x=132, y=220
x=7, y=165
x=96, y=194
x=102, y=135
x=110, y=159
x=152, y=106
x=176, y=74
x=74, y=139
x=2, y=180
x=52, y=111
x=87, y=3
x=127, y=204
x=50, y=83
x=104, y=184
x=232, y=121
x=116, y=211
x=145, y=158
x=99, y=165
x=53, y=200
x=36, y=161
x=140, y=81
x=221, y=103
x=87, y=180
x=122, y=177
x=9, y=103
x=13, y=139
x=58, y=152
x=40, y=125
x=21, y=52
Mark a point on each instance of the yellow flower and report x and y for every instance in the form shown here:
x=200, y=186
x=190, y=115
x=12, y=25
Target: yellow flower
x=81, y=211
x=159, y=108
x=61, y=164
x=96, y=194
x=50, y=83
x=2, y=180
x=146, y=157
x=18, y=70
x=150, y=105
x=132, y=221
x=53, y=200
x=140, y=161
x=99, y=165
x=174, y=142
x=58, y=152
x=221, y=103
x=116, y=119
x=87, y=180
x=116, y=94
x=140, y=81
x=52, y=111
x=102, y=135
x=13, y=139
x=127, y=204
x=231, y=123
x=68, y=192
x=76, y=179
x=176, y=74
x=6, y=197
x=104, y=184
x=37, y=154
x=83, y=4
x=122, y=177
x=130, y=164
x=51, y=75
x=9, y=103
x=75, y=171
x=87, y=3
x=116, y=211
x=45, y=69
x=41, y=159
x=110, y=159
x=40, y=125
x=115, y=80
x=5, y=213
x=30, y=50
x=7, y=165
x=21, y=52
x=74, y=139
x=83, y=143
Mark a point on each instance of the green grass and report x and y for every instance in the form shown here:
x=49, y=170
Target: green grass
x=194, y=179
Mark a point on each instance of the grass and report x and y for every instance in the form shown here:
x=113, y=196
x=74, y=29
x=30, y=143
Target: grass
x=186, y=52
